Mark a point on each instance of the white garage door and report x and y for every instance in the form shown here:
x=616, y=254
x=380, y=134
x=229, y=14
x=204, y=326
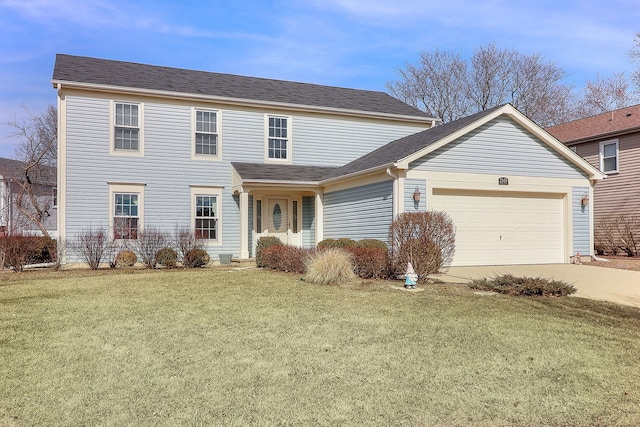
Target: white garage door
x=500, y=228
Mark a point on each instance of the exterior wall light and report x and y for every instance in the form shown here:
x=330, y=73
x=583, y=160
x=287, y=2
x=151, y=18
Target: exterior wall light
x=584, y=201
x=416, y=195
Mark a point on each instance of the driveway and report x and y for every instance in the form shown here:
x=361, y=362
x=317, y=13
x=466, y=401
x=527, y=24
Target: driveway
x=608, y=284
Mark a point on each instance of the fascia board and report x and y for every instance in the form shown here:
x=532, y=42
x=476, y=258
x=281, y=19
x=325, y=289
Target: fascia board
x=242, y=102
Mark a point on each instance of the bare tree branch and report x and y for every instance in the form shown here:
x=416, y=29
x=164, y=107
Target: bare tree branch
x=36, y=149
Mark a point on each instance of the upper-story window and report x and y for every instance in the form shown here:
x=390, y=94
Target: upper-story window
x=127, y=127
x=278, y=138
x=609, y=156
x=205, y=138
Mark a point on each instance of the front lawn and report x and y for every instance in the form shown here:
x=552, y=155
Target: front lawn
x=252, y=347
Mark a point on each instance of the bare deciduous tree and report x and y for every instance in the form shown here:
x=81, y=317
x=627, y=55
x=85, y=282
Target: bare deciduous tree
x=605, y=94
x=436, y=84
x=36, y=149
x=635, y=57
x=446, y=85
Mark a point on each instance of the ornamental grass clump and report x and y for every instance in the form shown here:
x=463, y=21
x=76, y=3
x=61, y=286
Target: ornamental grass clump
x=526, y=286
x=330, y=266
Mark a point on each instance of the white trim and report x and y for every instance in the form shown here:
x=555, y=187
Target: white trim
x=61, y=163
x=202, y=190
x=289, y=139
x=207, y=157
x=244, y=102
x=244, y=225
x=112, y=123
x=601, y=155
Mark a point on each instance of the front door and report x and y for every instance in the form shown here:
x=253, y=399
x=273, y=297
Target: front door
x=278, y=219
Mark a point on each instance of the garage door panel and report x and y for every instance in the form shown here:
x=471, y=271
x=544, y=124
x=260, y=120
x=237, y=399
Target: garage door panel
x=504, y=228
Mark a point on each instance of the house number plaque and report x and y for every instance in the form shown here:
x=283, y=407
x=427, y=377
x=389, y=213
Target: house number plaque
x=503, y=181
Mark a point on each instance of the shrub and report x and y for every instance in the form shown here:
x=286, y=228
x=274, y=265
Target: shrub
x=371, y=262
x=149, y=242
x=125, y=259
x=285, y=258
x=196, y=258
x=618, y=234
x=167, y=257
x=371, y=243
x=337, y=243
x=92, y=246
x=426, y=239
x=330, y=266
x=19, y=250
x=262, y=244
x=527, y=286
x=186, y=240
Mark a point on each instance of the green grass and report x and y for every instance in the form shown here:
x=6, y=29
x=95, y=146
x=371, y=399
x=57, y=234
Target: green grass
x=254, y=347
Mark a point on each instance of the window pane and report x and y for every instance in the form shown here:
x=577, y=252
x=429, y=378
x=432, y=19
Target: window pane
x=609, y=150
x=610, y=164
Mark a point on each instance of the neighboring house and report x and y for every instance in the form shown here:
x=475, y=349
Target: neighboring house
x=610, y=142
x=236, y=158
x=11, y=218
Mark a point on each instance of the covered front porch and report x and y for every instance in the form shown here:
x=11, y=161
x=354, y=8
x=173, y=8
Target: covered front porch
x=283, y=201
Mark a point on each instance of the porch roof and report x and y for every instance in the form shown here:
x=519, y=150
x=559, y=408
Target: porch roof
x=286, y=174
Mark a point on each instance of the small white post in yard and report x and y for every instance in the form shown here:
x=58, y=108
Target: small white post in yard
x=411, y=277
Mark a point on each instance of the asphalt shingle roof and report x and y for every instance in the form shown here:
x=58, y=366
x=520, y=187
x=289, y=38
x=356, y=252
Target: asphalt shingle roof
x=609, y=123
x=14, y=169
x=80, y=69
x=404, y=147
x=283, y=173
x=385, y=155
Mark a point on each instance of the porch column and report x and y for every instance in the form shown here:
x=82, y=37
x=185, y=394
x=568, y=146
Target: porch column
x=244, y=225
x=319, y=217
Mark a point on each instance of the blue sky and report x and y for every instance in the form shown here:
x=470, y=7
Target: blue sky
x=352, y=43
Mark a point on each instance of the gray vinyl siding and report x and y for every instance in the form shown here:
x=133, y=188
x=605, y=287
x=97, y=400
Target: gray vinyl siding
x=410, y=186
x=308, y=221
x=168, y=171
x=335, y=142
x=363, y=212
x=580, y=214
x=500, y=147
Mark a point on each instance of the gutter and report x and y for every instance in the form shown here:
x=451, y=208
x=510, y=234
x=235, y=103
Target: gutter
x=242, y=102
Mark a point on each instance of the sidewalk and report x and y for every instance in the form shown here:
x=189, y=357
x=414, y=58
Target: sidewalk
x=608, y=284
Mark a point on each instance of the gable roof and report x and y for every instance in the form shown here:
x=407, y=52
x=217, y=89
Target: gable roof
x=612, y=123
x=104, y=74
x=399, y=153
x=399, y=149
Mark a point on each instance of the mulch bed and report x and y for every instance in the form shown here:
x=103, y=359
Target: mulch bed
x=621, y=262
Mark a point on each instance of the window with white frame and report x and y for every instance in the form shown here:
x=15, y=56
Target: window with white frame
x=206, y=217
x=126, y=215
x=278, y=138
x=54, y=196
x=609, y=156
x=206, y=133
x=126, y=130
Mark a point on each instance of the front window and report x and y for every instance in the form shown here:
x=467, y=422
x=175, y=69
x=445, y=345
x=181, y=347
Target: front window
x=125, y=216
x=206, y=218
x=278, y=138
x=206, y=133
x=609, y=156
x=127, y=127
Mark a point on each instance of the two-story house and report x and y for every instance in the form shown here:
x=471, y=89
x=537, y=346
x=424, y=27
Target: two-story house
x=235, y=158
x=611, y=142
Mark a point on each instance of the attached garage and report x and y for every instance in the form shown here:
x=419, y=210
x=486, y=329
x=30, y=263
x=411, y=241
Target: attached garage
x=496, y=228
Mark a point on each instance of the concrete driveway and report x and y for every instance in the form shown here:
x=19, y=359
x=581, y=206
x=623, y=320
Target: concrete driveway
x=608, y=284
